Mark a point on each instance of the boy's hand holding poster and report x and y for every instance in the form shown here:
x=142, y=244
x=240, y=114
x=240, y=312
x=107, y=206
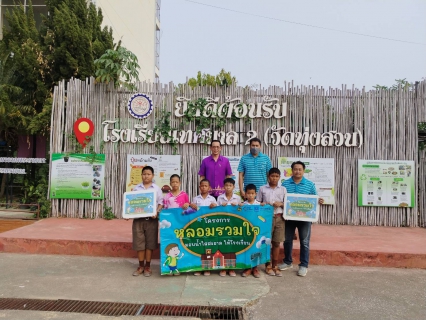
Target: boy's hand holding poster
x=301, y=207
x=231, y=237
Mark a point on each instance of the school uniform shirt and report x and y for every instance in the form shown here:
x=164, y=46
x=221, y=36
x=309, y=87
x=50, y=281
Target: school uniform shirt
x=251, y=204
x=203, y=202
x=222, y=199
x=153, y=187
x=270, y=195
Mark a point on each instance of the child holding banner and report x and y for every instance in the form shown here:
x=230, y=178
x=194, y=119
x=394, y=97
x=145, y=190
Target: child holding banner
x=250, y=193
x=274, y=194
x=226, y=199
x=176, y=198
x=203, y=199
x=145, y=230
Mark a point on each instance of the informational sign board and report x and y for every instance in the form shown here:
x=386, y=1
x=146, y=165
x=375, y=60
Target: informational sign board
x=231, y=237
x=386, y=183
x=319, y=170
x=234, y=162
x=164, y=166
x=301, y=207
x=139, y=204
x=77, y=176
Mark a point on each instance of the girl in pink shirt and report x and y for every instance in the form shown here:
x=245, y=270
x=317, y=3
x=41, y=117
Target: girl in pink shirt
x=176, y=198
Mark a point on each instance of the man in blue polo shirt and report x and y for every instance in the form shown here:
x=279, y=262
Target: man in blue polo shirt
x=298, y=184
x=253, y=167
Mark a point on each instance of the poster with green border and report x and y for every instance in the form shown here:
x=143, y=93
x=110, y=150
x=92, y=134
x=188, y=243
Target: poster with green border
x=77, y=176
x=386, y=183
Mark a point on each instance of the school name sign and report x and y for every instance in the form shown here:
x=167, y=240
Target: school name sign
x=267, y=109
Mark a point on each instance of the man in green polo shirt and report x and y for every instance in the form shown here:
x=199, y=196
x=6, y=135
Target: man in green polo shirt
x=253, y=167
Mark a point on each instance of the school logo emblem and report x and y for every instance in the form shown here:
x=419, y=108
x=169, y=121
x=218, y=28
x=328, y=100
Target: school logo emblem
x=140, y=105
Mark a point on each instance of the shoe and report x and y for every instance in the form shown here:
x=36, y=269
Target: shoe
x=222, y=273
x=246, y=273
x=147, y=272
x=302, y=271
x=232, y=273
x=256, y=273
x=284, y=266
x=138, y=271
x=206, y=273
x=177, y=273
x=278, y=272
x=198, y=273
x=269, y=271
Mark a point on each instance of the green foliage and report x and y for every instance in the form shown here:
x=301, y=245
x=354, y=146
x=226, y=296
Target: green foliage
x=108, y=214
x=36, y=191
x=223, y=79
x=119, y=66
x=403, y=83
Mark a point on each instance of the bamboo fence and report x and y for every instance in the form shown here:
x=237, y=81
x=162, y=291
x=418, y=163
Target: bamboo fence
x=387, y=119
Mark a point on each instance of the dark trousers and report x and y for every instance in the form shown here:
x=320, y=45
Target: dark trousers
x=304, y=230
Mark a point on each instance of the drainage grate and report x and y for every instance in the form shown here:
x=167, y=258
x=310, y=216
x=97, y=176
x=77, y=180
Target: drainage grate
x=121, y=309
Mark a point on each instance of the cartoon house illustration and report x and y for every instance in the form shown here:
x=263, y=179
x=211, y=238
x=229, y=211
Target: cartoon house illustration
x=218, y=260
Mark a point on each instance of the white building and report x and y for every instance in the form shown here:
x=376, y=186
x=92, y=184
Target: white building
x=135, y=22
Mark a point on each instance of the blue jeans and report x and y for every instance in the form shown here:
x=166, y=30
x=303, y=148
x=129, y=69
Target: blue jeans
x=304, y=229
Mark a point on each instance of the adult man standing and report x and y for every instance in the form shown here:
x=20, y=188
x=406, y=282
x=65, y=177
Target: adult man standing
x=254, y=167
x=215, y=168
x=298, y=184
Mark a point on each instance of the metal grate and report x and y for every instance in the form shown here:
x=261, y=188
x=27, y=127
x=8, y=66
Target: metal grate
x=120, y=309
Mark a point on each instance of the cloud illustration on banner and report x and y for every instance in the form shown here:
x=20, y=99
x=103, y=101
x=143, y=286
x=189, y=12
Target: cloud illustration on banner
x=263, y=240
x=165, y=224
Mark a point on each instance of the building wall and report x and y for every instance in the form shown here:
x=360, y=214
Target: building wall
x=135, y=23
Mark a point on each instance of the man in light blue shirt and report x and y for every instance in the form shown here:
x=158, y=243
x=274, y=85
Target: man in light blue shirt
x=300, y=185
x=253, y=167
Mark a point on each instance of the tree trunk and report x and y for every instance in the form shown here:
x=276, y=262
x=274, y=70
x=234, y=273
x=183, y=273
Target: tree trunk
x=3, y=184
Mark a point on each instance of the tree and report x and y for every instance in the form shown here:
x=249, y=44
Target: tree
x=223, y=79
x=119, y=66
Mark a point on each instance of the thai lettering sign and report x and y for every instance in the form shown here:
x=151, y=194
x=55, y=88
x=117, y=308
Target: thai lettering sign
x=231, y=237
x=301, y=207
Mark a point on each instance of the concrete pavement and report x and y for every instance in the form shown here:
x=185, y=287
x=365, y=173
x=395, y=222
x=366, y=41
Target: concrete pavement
x=327, y=292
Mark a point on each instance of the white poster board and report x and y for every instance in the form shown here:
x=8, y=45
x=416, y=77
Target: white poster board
x=139, y=204
x=164, y=166
x=301, y=207
x=319, y=170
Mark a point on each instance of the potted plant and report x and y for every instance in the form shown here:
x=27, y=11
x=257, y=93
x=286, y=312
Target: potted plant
x=85, y=185
x=66, y=156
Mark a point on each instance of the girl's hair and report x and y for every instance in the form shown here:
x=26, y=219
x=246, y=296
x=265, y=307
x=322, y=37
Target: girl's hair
x=174, y=176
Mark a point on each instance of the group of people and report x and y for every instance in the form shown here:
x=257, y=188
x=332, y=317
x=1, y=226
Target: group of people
x=259, y=184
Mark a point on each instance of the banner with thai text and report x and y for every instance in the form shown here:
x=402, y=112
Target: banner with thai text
x=231, y=237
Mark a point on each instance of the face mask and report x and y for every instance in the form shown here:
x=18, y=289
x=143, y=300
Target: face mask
x=254, y=151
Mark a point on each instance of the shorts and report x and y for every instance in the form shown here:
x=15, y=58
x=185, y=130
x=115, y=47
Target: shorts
x=278, y=228
x=145, y=234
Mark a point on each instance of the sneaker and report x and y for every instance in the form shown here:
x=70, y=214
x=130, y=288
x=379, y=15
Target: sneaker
x=278, y=272
x=206, y=273
x=222, y=273
x=246, y=273
x=138, y=271
x=285, y=266
x=198, y=273
x=269, y=271
x=232, y=273
x=147, y=272
x=176, y=273
x=302, y=271
x=256, y=273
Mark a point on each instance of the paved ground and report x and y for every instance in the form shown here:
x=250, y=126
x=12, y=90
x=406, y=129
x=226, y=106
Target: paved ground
x=326, y=293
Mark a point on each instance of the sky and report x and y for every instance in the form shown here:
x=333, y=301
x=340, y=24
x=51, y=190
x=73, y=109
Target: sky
x=268, y=42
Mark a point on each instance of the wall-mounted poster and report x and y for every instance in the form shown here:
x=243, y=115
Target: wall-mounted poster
x=231, y=237
x=139, y=204
x=164, y=166
x=386, y=183
x=233, y=162
x=301, y=207
x=77, y=176
x=319, y=170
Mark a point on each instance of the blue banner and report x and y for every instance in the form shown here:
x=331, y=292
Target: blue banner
x=231, y=237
